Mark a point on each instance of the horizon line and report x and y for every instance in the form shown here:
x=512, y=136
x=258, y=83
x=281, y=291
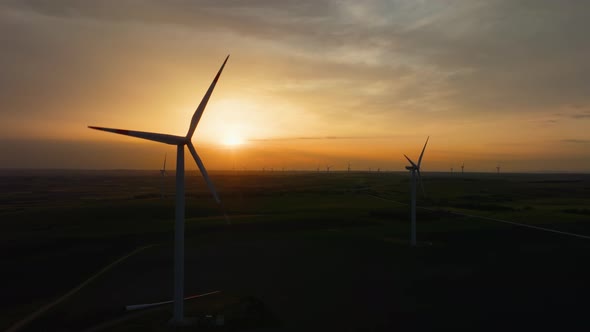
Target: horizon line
x=280, y=170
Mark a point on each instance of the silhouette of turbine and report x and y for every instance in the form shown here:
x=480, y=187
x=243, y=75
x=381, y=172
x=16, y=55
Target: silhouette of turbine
x=180, y=142
x=415, y=169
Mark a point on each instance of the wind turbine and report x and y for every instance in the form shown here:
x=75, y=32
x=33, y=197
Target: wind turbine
x=349, y=167
x=163, y=174
x=163, y=170
x=328, y=168
x=498, y=168
x=415, y=169
x=180, y=142
x=462, y=167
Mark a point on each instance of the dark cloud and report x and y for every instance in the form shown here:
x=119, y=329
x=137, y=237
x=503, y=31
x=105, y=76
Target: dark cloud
x=510, y=55
x=574, y=114
x=577, y=141
x=585, y=115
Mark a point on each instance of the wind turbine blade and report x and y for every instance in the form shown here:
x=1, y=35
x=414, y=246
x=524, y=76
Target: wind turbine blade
x=411, y=162
x=162, y=138
x=421, y=184
x=191, y=148
x=422, y=154
x=199, y=111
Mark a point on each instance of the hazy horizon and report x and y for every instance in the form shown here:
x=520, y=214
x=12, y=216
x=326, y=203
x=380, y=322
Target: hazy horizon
x=268, y=170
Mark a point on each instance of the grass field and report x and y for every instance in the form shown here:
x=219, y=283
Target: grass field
x=304, y=251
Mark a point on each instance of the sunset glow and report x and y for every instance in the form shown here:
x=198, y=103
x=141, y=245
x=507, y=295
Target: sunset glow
x=306, y=83
x=233, y=140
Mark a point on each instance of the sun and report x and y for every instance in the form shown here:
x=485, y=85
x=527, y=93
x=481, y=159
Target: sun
x=232, y=140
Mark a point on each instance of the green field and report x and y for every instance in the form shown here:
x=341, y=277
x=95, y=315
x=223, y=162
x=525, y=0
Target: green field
x=304, y=251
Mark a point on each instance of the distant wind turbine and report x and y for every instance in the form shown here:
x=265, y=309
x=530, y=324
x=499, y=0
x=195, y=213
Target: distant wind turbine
x=180, y=142
x=415, y=169
x=348, y=167
x=498, y=168
x=163, y=174
x=328, y=168
x=163, y=170
x=462, y=167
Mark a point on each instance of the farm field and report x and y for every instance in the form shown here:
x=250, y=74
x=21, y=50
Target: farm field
x=304, y=250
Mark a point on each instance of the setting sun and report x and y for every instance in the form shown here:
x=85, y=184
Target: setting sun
x=232, y=140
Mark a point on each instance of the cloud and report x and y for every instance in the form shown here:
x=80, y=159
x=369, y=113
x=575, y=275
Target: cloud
x=576, y=141
x=585, y=115
x=466, y=56
x=319, y=138
x=573, y=114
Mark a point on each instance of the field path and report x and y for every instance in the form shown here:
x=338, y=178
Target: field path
x=20, y=324
x=581, y=236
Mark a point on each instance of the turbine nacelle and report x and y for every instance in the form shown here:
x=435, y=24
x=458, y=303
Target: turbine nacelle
x=416, y=167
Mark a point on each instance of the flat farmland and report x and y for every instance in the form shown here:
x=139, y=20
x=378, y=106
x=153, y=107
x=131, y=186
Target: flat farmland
x=303, y=251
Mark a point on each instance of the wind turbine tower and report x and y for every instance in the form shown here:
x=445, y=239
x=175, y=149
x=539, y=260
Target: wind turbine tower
x=328, y=168
x=498, y=168
x=462, y=167
x=348, y=168
x=415, y=170
x=180, y=142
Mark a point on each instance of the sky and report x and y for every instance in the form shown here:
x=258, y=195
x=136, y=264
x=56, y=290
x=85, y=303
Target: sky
x=308, y=84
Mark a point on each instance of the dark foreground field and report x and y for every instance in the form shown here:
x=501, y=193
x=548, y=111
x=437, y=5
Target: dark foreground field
x=304, y=251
